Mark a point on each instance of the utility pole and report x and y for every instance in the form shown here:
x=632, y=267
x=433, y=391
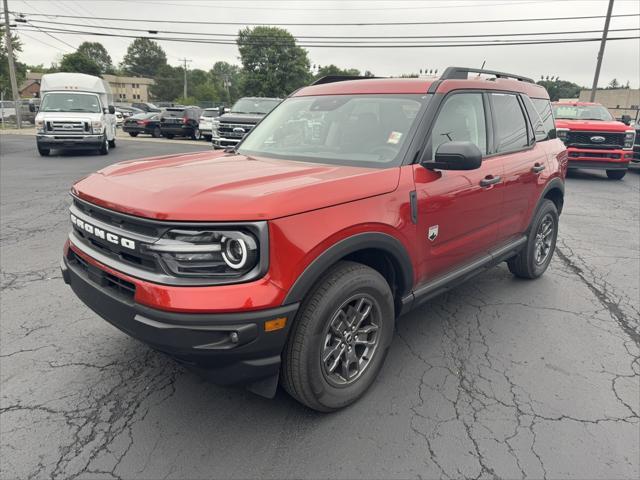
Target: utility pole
x=594, y=87
x=12, y=66
x=184, y=60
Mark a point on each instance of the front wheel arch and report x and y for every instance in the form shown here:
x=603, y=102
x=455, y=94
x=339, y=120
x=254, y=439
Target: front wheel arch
x=380, y=251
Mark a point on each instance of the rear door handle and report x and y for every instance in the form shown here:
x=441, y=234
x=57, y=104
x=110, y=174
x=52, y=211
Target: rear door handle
x=490, y=180
x=537, y=168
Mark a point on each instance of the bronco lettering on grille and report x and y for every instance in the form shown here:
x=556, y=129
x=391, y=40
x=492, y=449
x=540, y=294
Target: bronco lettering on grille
x=104, y=235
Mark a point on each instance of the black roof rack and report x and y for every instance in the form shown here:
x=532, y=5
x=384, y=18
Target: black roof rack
x=338, y=78
x=462, y=73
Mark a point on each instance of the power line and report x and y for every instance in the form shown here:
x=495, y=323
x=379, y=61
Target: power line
x=333, y=24
x=412, y=45
x=358, y=37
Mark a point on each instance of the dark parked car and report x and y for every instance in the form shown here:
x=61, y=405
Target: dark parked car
x=143, y=123
x=181, y=122
x=228, y=129
x=146, y=107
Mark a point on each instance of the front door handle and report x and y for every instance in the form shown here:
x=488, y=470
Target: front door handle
x=490, y=180
x=537, y=168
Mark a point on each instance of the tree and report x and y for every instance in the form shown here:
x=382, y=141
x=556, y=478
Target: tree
x=333, y=70
x=21, y=68
x=144, y=58
x=168, y=83
x=274, y=65
x=560, y=88
x=96, y=52
x=227, y=79
x=79, y=63
x=613, y=84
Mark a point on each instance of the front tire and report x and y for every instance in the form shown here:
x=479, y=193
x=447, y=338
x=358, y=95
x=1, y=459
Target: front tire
x=133, y=134
x=104, y=148
x=157, y=133
x=535, y=257
x=340, y=338
x=616, y=174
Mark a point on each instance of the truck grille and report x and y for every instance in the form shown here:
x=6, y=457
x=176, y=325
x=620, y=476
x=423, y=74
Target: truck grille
x=68, y=127
x=584, y=140
x=226, y=130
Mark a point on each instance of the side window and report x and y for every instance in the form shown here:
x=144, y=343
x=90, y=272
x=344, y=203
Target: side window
x=461, y=118
x=543, y=107
x=539, y=129
x=511, y=126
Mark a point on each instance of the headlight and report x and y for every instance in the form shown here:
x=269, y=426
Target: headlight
x=96, y=126
x=629, y=137
x=40, y=125
x=561, y=133
x=208, y=253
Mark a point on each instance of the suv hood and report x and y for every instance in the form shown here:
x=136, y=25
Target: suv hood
x=592, y=125
x=214, y=186
x=251, y=118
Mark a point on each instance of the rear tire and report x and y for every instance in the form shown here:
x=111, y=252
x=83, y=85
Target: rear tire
x=329, y=333
x=133, y=134
x=157, y=133
x=616, y=174
x=44, y=152
x=535, y=257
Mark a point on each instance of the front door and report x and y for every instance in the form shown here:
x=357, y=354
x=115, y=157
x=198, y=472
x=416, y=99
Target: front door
x=458, y=211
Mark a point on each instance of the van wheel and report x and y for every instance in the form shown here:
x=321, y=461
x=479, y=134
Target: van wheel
x=534, y=259
x=616, y=174
x=133, y=134
x=112, y=143
x=104, y=149
x=340, y=338
x=44, y=152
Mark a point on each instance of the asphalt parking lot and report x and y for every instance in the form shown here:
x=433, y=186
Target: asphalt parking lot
x=499, y=378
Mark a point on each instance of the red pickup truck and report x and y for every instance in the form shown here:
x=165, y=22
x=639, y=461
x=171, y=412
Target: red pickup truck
x=594, y=138
x=290, y=257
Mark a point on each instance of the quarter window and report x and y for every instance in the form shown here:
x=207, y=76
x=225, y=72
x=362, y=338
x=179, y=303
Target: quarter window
x=546, y=114
x=511, y=126
x=460, y=119
x=539, y=129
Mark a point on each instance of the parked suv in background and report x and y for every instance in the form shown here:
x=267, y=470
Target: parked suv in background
x=206, y=121
x=181, y=122
x=350, y=204
x=231, y=127
x=594, y=138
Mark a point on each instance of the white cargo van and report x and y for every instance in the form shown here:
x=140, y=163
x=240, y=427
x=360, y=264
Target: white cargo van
x=76, y=112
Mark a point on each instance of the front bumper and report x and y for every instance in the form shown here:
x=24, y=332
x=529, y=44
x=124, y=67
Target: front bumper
x=599, y=159
x=224, y=142
x=227, y=348
x=47, y=140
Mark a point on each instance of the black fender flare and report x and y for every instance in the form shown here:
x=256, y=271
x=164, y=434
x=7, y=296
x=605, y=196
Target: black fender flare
x=555, y=183
x=352, y=244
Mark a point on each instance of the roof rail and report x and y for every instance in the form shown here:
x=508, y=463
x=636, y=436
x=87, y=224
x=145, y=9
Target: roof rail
x=462, y=73
x=338, y=78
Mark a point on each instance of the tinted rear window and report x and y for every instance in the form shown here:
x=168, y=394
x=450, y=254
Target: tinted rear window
x=511, y=126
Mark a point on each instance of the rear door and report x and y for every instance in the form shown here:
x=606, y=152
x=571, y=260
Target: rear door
x=458, y=211
x=524, y=161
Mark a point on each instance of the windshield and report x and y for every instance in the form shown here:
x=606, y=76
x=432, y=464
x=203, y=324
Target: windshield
x=582, y=112
x=70, y=102
x=254, y=105
x=360, y=130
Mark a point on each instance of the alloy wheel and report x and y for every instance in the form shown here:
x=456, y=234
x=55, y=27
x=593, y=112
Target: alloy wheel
x=544, y=239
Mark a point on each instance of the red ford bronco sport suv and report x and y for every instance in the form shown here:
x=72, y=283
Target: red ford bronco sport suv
x=289, y=258
x=594, y=139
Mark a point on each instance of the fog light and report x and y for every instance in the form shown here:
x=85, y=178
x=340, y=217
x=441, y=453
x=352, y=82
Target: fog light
x=275, y=324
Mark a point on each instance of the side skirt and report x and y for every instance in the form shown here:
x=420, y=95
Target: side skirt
x=454, y=278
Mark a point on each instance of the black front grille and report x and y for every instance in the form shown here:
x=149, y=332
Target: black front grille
x=226, y=130
x=116, y=285
x=586, y=139
x=125, y=222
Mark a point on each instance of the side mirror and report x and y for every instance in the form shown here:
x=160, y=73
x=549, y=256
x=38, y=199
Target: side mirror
x=456, y=156
x=626, y=119
x=112, y=109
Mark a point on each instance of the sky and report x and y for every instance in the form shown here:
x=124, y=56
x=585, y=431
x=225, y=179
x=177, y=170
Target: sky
x=574, y=62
